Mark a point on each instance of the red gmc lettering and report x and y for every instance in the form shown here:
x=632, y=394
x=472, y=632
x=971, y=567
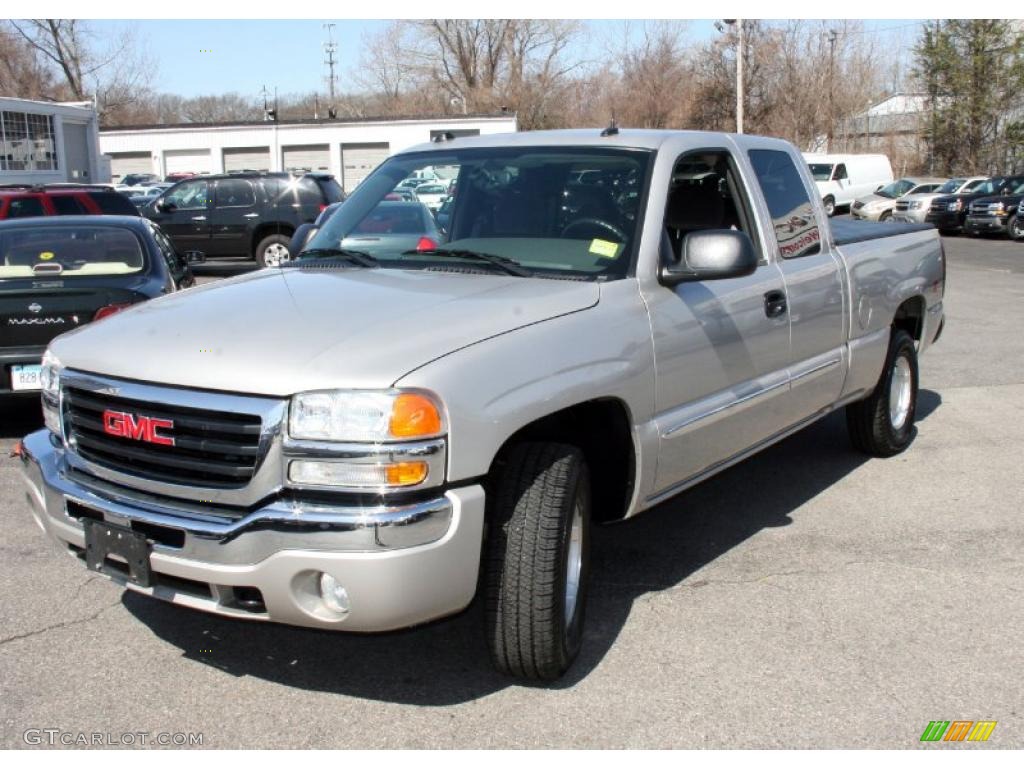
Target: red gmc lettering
x=144, y=428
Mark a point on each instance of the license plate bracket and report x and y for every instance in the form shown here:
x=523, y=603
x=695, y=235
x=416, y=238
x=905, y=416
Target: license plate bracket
x=104, y=539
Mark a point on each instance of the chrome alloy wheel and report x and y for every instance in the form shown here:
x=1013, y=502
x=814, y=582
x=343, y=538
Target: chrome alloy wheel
x=574, y=560
x=275, y=255
x=900, y=393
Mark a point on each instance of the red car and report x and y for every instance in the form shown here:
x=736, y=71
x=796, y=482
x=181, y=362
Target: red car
x=21, y=201
x=177, y=176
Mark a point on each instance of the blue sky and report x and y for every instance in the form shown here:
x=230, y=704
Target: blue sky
x=195, y=57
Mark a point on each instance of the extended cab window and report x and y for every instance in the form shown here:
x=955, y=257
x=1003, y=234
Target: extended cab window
x=796, y=226
x=841, y=172
x=113, y=203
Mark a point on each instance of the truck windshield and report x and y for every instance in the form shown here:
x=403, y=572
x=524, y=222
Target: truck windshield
x=951, y=186
x=553, y=210
x=69, y=251
x=821, y=171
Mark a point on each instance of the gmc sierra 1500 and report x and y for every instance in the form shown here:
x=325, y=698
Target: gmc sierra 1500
x=610, y=318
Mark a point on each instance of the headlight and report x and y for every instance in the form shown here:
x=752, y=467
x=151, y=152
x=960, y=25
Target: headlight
x=956, y=205
x=362, y=416
x=378, y=441
x=50, y=394
x=914, y=205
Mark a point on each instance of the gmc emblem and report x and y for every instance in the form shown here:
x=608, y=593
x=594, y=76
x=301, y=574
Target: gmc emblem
x=132, y=427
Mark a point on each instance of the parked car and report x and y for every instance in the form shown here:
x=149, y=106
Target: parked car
x=60, y=273
x=138, y=180
x=409, y=424
x=431, y=195
x=148, y=195
x=23, y=200
x=880, y=205
x=995, y=214
x=443, y=214
x=242, y=214
x=913, y=207
x=949, y=213
x=177, y=176
x=841, y=179
x=390, y=228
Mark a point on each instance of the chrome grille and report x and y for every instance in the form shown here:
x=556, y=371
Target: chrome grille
x=902, y=206
x=211, y=448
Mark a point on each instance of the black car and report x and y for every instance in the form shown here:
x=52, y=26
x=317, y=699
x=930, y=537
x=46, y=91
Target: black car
x=61, y=272
x=246, y=214
x=995, y=214
x=949, y=212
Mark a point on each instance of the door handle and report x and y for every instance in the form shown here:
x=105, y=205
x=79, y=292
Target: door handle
x=198, y=218
x=775, y=303
x=251, y=216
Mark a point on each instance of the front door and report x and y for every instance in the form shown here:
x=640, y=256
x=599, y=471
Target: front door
x=183, y=214
x=721, y=346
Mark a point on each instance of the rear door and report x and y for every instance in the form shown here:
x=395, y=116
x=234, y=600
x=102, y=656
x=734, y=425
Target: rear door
x=814, y=281
x=234, y=214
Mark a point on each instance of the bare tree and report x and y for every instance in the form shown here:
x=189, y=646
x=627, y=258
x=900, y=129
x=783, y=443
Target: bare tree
x=114, y=74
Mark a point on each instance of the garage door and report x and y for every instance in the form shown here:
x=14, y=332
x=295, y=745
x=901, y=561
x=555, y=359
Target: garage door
x=187, y=160
x=306, y=157
x=358, y=160
x=247, y=158
x=123, y=163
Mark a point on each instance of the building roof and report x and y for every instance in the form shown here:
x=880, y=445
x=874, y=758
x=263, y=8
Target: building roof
x=323, y=121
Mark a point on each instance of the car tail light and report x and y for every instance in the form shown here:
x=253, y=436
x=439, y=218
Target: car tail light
x=426, y=244
x=323, y=207
x=107, y=311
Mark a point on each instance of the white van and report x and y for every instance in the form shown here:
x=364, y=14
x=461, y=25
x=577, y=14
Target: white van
x=841, y=179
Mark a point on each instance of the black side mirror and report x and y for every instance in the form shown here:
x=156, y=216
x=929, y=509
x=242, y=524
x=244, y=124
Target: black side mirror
x=163, y=207
x=713, y=254
x=301, y=237
x=195, y=257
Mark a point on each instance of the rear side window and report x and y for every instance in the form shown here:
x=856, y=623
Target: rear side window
x=22, y=207
x=67, y=205
x=796, y=226
x=309, y=192
x=114, y=203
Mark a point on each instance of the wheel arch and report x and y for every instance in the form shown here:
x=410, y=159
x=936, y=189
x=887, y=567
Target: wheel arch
x=601, y=428
x=267, y=228
x=910, y=316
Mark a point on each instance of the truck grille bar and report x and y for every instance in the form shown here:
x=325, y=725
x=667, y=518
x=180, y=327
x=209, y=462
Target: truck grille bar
x=210, y=448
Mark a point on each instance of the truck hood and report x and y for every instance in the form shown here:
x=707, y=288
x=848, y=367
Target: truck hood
x=281, y=331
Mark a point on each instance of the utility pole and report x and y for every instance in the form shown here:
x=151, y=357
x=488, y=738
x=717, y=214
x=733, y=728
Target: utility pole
x=330, y=48
x=832, y=35
x=738, y=23
x=739, y=78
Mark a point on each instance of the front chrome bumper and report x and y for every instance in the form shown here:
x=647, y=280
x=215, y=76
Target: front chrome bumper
x=401, y=564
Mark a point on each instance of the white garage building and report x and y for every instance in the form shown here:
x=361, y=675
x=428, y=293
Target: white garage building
x=349, y=149
x=45, y=142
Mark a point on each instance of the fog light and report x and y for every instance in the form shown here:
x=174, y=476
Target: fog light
x=334, y=595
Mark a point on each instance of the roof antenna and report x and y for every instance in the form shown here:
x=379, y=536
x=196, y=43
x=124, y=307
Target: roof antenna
x=612, y=129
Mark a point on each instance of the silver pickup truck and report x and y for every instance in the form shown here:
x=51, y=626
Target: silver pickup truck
x=357, y=438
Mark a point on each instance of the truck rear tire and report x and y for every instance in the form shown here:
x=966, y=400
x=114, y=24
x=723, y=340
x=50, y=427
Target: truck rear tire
x=538, y=559
x=272, y=250
x=830, y=206
x=883, y=423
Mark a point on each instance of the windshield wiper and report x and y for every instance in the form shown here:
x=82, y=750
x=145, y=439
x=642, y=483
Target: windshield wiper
x=510, y=266
x=362, y=258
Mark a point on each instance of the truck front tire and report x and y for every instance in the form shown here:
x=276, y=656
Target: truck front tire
x=830, y=206
x=538, y=560
x=883, y=423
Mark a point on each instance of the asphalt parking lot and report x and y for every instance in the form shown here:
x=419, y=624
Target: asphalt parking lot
x=808, y=597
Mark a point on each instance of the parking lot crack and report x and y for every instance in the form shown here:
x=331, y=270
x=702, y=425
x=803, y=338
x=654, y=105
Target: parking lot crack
x=60, y=625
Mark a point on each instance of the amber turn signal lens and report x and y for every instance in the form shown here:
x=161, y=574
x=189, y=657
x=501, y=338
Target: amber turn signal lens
x=406, y=473
x=414, y=415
